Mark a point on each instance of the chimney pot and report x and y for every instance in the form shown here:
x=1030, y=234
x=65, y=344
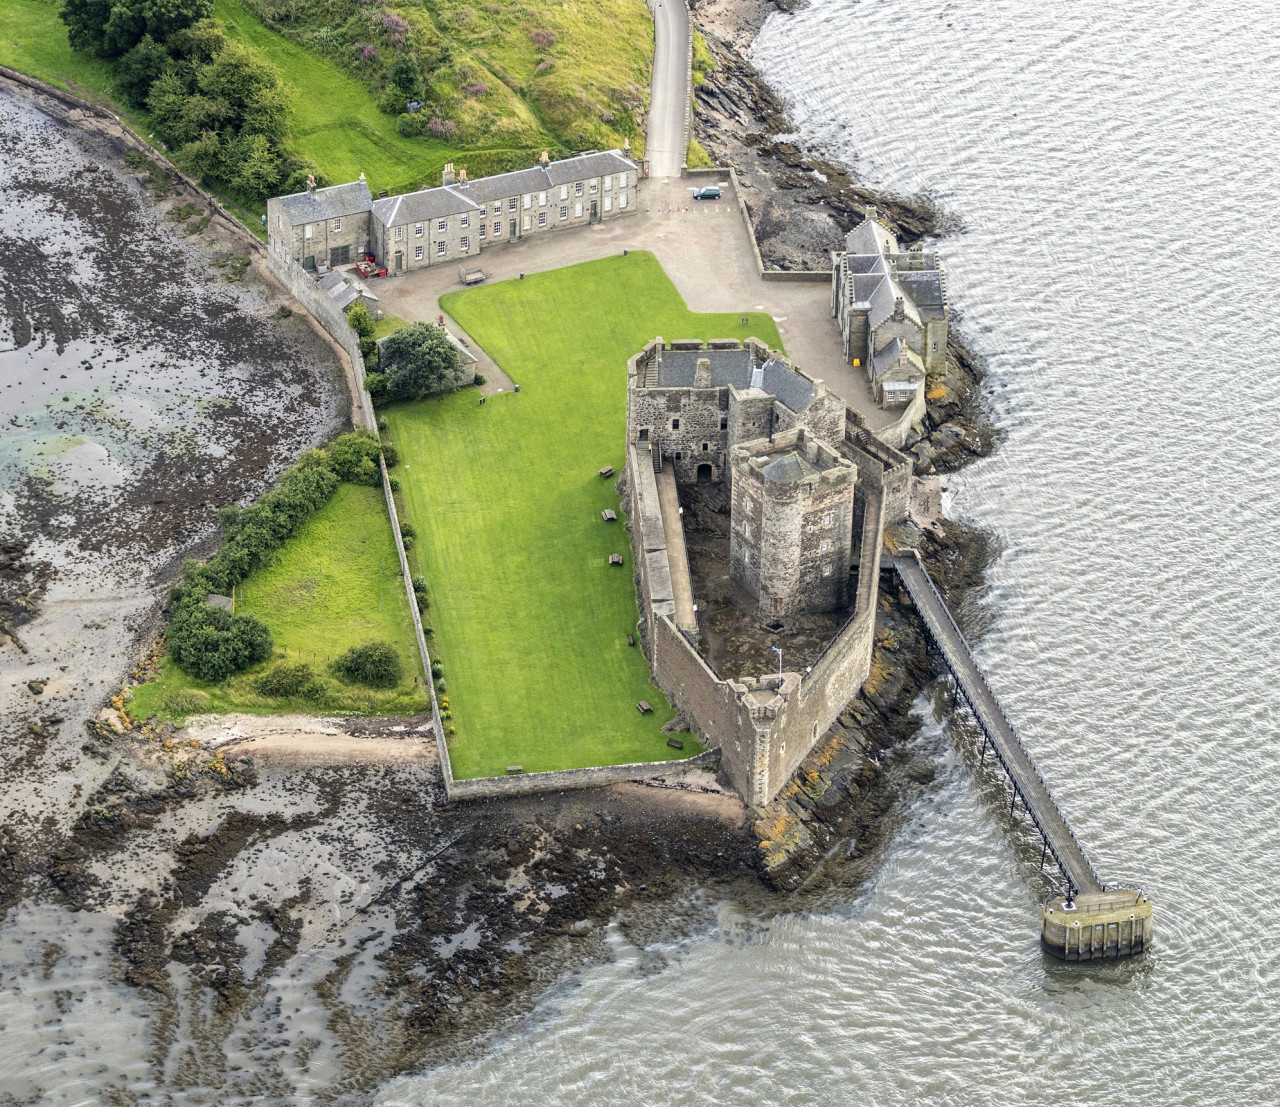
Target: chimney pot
x=311, y=183
x=448, y=177
x=545, y=158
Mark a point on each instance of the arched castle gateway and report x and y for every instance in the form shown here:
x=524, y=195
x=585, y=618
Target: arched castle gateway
x=810, y=492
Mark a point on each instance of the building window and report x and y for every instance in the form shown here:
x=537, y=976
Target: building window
x=337, y=225
x=706, y=446
x=511, y=204
x=746, y=557
x=483, y=229
x=417, y=230
x=497, y=208
x=724, y=422
x=679, y=456
x=746, y=530
x=497, y=230
x=826, y=570
x=564, y=192
x=623, y=180
x=595, y=187
x=308, y=231
x=577, y=189
x=399, y=234
x=465, y=220
x=577, y=211
x=527, y=222
x=440, y=225
x=675, y=424
x=542, y=199
x=564, y=211
x=608, y=184
x=440, y=249
x=528, y=201
x=542, y=219
x=466, y=243
x=417, y=253
x=622, y=200
x=608, y=203
x=824, y=545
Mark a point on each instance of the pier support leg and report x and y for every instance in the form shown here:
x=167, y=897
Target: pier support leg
x=1013, y=801
x=1044, y=848
x=984, y=752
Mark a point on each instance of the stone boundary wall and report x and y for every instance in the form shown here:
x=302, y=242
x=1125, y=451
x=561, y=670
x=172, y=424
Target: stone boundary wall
x=559, y=780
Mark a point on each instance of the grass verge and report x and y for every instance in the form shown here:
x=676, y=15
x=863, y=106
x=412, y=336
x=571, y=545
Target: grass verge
x=335, y=585
x=530, y=620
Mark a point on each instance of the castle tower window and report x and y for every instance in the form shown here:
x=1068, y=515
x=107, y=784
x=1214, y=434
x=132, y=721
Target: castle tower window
x=824, y=546
x=826, y=570
x=827, y=519
x=724, y=422
x=675, y=424
x=706, y=446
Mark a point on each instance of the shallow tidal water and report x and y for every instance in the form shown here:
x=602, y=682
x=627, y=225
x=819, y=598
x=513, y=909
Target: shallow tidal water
x=1114, y=166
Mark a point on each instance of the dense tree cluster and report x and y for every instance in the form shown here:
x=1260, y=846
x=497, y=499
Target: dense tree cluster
x=209, y=642
x=375, y=665
x=416, y=360
x=221, y=109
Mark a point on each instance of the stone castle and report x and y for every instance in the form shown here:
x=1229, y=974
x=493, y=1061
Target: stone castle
x=891, y=308
x=810, y=492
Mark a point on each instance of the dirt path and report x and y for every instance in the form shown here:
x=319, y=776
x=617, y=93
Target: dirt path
x=298, y=740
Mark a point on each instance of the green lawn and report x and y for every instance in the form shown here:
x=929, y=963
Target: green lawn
x=530, y=620
x=335, y=585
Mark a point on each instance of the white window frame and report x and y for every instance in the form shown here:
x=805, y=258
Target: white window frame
x=542, y=199
x=542, y=219
x=497, y=229
x=577, y=210
x=564, y=192
x=824, y=546
x=608, y=203
x=417, y=253
x=622, y=200
x=308, y=232
x=484, y=227
x=512, y=204
x=441, y=226
x=466, y=244
x=441, y=247
x=528, y=201
x=528, y=222
x=399, y=235
x=466, y=219
x=608, y=184
x=577, y=188
x=497, y=208
x=564, y=211
x=418, y=229
x=826, y=570
x=337, y=225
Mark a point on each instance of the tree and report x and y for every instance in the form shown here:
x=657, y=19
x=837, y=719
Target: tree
x=211, y=644
x=112, y=28
x=140, y=68
x=375, y=665
x=419, y=359
x=354, y=457
x=361, y=322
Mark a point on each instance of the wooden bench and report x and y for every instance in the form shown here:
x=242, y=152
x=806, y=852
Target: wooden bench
x=609, y=516
x=631, y=639
x=675, y=743
x=615, y=559
x=513, y=769
x=607, y=471
x=643, y=707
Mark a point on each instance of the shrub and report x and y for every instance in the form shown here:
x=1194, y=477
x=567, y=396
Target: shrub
x=382, y=423
x=441, y=686
x=408, y=541
x=186, y=701
x=368, y=349
x=479, y=378
x=354, y=457
x=543, y=39
x=390, y=455
x=288, y=680
x=419, y=584
x=360, y=320
x=375, y=665
x=422, y=601
x=416, y=360
x=211, y=644
x=437, y=669
x=395, y=483
x=408, y=530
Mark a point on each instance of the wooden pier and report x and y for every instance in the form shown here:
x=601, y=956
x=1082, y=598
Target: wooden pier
x=1124, y=915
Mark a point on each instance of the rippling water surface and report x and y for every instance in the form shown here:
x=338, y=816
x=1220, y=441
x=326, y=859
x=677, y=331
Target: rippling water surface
x=1115, y=167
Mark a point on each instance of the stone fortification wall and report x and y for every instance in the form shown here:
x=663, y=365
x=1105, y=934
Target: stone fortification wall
x=648, y=541
x=559, y=780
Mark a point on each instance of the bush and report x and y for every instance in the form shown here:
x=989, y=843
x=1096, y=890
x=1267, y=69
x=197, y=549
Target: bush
x=288, y=680
x=479, y=379
x=361, y=321
x=395, y=483
x=408, y=530
x=375, y=665
x=419, y=584
x=408, y=542
x=422, y=601
x=354, y=457
x=437, y=669
x=211, y=644
x=382, y=423
x=185, y=701
x=441, y=686
x=390, y=455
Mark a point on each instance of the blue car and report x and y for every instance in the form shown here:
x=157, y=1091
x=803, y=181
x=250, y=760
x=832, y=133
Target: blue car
x=711, y=192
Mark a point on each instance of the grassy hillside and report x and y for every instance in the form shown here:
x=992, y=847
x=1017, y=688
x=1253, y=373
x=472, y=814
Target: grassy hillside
x=530, y=620
x=502, y=81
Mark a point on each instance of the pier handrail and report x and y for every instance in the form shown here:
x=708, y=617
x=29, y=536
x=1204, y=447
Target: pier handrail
x=939, y=610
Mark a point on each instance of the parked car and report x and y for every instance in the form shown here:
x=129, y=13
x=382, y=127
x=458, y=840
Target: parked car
x=710, y=192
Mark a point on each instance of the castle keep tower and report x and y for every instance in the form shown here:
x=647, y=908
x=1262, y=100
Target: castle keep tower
x=790, y=542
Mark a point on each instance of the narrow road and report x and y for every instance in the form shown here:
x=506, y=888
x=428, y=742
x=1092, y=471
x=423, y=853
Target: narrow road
x=1013, y=755
x=665, y=140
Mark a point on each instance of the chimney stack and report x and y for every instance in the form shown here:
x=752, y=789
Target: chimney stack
x=545, y=159
x=462, y=176
x=702, y=374
x=311, y=185
x=448, y=176
x=626, y=146
x=898, y=312
x=362, y=180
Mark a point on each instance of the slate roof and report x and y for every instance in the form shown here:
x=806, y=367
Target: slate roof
x=436, y=203
x=869, y=237
x=334, y=202
x=734, y=368
x=342, y=288
x=787, y=468
x=924, y=289
x=896, y=356
x=418, y=207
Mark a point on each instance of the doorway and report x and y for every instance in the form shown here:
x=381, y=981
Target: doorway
x=704, y=474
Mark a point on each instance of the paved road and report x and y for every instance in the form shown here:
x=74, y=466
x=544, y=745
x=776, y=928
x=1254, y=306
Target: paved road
x=669, y=97
x=1008, y=746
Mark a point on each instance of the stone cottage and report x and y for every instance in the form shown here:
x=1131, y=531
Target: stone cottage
x=455, y=221
x=891, y=307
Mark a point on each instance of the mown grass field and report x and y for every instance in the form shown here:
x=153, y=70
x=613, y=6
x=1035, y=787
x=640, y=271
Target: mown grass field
x=335, y=585
x=530, y=621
